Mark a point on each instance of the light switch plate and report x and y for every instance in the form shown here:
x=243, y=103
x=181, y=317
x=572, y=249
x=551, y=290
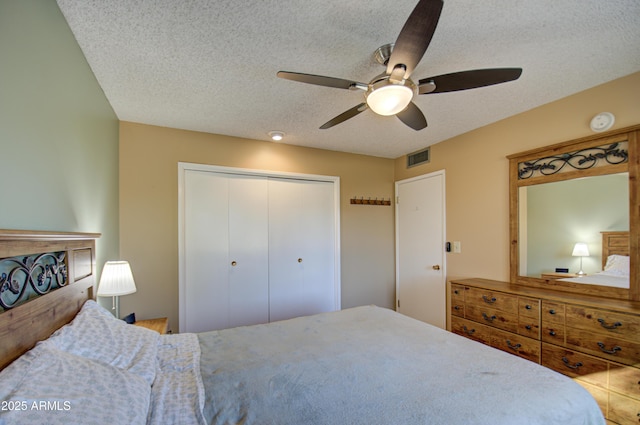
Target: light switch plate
x=456, y=247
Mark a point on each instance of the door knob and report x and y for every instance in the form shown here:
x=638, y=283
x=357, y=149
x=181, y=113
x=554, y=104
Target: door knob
x=299, y=260
x=233, y=263
x=436, y=267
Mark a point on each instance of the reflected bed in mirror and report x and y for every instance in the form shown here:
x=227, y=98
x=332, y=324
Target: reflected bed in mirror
x=554, y=216
x=615, y=263
x=576, y=192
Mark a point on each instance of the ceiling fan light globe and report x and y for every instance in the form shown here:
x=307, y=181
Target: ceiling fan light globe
x=389, y=99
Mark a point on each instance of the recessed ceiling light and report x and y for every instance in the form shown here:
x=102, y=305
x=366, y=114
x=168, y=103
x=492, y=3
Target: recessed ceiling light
x=276, y=135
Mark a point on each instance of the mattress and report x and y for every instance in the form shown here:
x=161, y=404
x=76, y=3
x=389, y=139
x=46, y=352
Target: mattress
x=369, y=365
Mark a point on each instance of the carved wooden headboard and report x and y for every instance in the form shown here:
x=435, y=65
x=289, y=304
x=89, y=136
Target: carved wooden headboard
x=614, y=243
x=45, y=277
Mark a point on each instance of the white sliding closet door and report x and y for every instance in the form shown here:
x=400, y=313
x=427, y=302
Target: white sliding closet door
x=248, y=251
x=255, y=247
x=225, y=242
x=301, y=248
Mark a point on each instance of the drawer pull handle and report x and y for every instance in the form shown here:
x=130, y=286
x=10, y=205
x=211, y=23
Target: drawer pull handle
x=489, y=300
x=513, y=347
x=468, y=331
x=612, y=351
x=552, y=311
x=455, y=292
x=604, y=324
x=528, y=327
x=528, y=307
x=574, y=366
x=552, y=333
x=456, y=307
x=489, y=319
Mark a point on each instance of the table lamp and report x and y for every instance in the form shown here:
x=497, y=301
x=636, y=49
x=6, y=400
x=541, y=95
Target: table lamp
x=580, y=250
x=116, y=280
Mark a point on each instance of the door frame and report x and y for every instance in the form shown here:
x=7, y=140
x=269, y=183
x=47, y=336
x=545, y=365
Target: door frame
x=444, y=228
x=183, y=167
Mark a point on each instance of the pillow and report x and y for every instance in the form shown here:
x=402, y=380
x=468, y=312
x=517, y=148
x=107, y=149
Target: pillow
x=617, y=265
x=49, y=386
x=96, y=334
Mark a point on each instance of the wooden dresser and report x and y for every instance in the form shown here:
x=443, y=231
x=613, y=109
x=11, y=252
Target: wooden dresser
x=596, y=341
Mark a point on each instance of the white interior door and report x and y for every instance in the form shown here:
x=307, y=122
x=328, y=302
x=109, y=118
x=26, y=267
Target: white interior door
x=206, y=237
x=248, y=251
x=225, y=241
x=301, y=248
x=420, y=256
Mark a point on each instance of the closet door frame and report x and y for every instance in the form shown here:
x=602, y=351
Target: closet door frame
x=183, y=167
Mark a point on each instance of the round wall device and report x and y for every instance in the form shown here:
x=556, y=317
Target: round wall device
x=602, y=122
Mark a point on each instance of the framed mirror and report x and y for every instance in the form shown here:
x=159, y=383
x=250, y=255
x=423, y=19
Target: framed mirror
x=574, y=215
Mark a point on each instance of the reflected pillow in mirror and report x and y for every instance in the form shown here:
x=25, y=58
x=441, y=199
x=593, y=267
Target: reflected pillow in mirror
x=618, y=265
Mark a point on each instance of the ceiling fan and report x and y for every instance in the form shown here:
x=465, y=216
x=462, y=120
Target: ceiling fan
x=392, y=92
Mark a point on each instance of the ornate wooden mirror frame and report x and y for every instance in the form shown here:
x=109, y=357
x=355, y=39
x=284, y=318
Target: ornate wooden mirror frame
x=577, y=159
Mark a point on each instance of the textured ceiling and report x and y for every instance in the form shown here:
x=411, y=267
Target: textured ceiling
x=210, y=65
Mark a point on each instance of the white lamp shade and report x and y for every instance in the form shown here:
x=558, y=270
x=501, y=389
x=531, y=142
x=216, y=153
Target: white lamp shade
x=389, y=99
x=580, y=250
x=116, y=279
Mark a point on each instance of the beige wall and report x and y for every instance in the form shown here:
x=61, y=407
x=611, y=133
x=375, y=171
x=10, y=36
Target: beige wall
x=149, y=159
x=476, y=194
x=477, y=171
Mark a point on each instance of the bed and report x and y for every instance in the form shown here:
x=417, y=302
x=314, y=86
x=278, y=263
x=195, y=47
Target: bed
x=615, y=263
x=363, y=365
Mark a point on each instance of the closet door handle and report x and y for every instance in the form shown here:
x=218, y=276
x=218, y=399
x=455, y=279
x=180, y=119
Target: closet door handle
x=299, y=260
x=234, y=263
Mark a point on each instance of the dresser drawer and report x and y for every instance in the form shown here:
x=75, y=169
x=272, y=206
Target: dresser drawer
x=625, y=379
x=457, y=293
x=529, y=308
x=492, y=317
x=457, y=300
x=577, y=365
x=457, y=309
x=623, y=410
x=599, y=394
x=552, y=313
x=471, y=330
x=496, y=300
x=516, y=344
x=625, y=326
x=553, y=333
x=529, y=329
x=552, y=319
x=608, y=347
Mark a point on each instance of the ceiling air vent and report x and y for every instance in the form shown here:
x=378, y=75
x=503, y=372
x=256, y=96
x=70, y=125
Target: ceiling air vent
x=417, y=158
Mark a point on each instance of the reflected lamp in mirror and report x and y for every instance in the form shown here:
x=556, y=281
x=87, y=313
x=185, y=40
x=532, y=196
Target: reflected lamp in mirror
x=116, y=280
x=580, y=250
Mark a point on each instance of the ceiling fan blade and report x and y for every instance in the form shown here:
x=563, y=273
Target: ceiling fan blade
x=465, y=80
x=345, y=116
x=320, y=80
x=415, y=36
x=413, y=117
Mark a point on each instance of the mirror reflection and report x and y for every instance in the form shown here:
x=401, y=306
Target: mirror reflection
x=554, y=217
